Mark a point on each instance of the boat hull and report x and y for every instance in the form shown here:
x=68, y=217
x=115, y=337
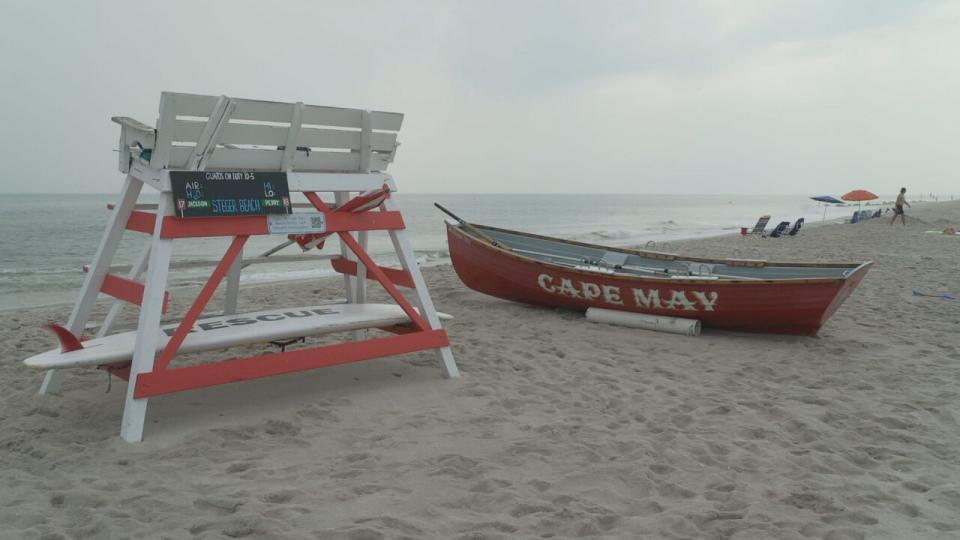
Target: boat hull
x=783, y=306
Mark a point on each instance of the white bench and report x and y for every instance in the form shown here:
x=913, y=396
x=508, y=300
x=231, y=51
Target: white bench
x=196, y=132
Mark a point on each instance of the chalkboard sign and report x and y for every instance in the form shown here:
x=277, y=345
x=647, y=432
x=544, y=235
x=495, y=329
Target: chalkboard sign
x=229, y=193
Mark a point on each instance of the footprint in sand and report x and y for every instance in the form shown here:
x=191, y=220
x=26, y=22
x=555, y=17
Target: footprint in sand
x=279, y=497
x=917, y=487
x=522, y=509
x=858, y=518
x=814, y=502
x=218, y=506
x=659, y=468
x=279, y=427
x=456, y=466
x=844, y=534
x=236, y=468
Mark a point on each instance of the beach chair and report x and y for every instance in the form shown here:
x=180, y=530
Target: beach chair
x=761, y=225
x=796, y=227
x=856, y=217
x=778, y=231
x=258, y=153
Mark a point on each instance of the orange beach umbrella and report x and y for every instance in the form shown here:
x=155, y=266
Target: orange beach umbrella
x=859, y=195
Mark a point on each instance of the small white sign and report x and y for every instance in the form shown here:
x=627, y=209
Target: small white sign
x=296, y=223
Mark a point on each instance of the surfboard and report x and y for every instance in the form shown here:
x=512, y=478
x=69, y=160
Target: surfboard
x=231, y=330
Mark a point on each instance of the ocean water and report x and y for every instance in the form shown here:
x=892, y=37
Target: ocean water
x=46, y=239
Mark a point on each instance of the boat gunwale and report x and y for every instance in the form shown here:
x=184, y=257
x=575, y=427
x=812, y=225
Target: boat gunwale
x=856, y=268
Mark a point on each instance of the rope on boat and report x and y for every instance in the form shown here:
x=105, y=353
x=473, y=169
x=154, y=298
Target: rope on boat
x=473, y=229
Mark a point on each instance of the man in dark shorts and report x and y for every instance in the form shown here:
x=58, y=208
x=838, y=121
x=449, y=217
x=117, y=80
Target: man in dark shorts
x=898, y=207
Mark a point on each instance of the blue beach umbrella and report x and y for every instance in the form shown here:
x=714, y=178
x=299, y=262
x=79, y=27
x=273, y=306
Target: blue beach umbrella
x=826, y=199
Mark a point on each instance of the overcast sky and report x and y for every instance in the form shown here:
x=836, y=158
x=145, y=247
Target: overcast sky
x=713, y=96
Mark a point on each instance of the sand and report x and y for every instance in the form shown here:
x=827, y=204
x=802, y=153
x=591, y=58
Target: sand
x=557, y=428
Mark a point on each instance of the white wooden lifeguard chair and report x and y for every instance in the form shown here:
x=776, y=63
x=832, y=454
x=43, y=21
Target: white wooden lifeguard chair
x=318, y=149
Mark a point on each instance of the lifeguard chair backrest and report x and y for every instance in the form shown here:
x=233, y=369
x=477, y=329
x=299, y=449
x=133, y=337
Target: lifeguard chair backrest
x=212, y=132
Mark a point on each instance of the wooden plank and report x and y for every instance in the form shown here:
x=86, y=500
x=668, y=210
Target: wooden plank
x=211, y=133
x=328, y=138
x=386, y=121
x=270, y=160
x=141, y=221
x=128, y=290
x=155, y=178
x=363, y=239
x=327, y=161
x=232, y=158
x=316, y=115
x=349, y=282
x=145, y=344
x=180, y=104
x=421, y=298
x=207, y=263
x=336, y=181
x=397, y=276
x=160, y=157
x=232, y=294
x=135, y=273
x=290, y=142
x=254, y=134
x=178, y=156
x=379, y=161
x=365, y=148
x=174, y=227
x=130, y=123
x=255, y=367
x=263, y=111
x=267, y=135
x=185, y=130
x=350, y=118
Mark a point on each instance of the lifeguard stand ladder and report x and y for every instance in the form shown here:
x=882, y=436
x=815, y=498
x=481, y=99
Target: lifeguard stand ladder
x=321, y=149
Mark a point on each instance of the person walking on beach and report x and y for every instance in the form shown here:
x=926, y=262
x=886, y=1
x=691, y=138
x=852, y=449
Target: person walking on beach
x=898, y=207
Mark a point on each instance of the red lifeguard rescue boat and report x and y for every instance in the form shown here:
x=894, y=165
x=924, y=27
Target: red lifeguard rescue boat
x=729, y=294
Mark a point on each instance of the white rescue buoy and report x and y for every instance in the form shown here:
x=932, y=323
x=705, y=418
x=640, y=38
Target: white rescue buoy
x=658, y=323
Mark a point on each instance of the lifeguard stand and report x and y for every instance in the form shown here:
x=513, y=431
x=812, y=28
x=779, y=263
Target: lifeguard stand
x=319, y=149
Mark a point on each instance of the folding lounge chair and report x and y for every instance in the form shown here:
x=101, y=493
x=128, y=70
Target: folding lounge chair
x=796, y=227
x=761, y=224
x=778, y=230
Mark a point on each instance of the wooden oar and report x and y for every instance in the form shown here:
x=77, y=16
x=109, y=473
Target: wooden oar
x=473, y=229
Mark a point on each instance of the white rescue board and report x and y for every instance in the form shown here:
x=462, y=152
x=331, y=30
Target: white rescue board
x=231, y=330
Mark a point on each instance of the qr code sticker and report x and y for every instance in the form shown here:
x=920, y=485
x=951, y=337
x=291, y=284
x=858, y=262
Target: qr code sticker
x=316, y=222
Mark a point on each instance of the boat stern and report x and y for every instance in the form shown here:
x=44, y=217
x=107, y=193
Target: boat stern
x=850, y=282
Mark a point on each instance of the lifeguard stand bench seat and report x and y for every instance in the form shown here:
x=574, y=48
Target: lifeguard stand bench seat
x=319, y=149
